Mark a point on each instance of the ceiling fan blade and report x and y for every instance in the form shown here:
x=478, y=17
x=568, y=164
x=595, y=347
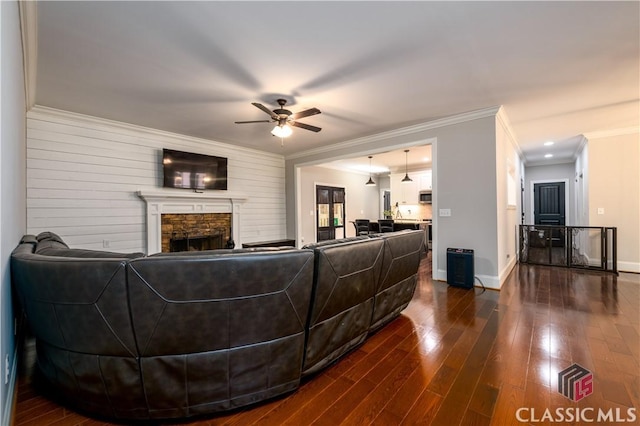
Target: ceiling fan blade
x=305, y=126
x=265, y=109
x=305, y=113
x=256, y=121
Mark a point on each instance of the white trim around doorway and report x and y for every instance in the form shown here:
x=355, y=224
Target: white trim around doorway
x=568, y=214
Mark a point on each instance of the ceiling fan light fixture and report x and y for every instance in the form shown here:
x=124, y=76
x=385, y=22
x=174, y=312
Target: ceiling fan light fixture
x=370, y=182
x=282, y=131
x=282, y=117
x=406, y=177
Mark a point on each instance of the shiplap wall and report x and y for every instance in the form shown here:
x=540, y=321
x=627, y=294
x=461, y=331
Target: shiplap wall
x=83, y=173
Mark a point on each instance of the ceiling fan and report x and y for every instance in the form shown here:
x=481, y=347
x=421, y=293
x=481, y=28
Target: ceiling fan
x=285, y=119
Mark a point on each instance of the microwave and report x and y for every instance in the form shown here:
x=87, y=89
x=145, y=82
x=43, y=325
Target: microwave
x=425, y=197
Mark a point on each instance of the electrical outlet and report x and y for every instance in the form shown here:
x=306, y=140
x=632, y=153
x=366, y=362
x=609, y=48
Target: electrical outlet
x=106, y=243
x=445, y=212
x=600, y=210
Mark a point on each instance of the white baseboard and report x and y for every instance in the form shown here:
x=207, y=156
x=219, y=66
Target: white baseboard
x=507, y=270
x=7, y=410
x=440, y=275
x=629, y=267
x=622, y=266
x=489, y=281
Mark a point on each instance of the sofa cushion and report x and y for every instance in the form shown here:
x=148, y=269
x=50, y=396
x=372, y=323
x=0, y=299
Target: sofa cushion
x=82, y=253
x=217, y=332
x=402, y=253
x=219, y=252
x=29, y=239
x=345, y=280
x=49, y=244
x=50, y=236
x=334, y=242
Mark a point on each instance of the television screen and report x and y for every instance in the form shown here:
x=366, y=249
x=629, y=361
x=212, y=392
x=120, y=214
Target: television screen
x=193, y=171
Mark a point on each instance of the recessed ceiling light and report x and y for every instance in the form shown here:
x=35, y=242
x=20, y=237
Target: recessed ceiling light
x=548, y=143
x=426, y=159
x=548, y=155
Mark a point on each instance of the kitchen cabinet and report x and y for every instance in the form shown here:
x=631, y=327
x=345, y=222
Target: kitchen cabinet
x=404, y=192
x=425, y=180
x=408, y=193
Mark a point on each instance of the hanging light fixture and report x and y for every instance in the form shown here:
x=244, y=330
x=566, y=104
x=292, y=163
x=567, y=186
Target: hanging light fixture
x=406, y=177
x=370, y=182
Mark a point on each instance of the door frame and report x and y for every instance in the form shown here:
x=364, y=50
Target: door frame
x=315, y=212
x=568, y=215
x=315, y=201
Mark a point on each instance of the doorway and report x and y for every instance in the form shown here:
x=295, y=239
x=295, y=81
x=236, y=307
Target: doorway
x=330, y=212
x=386, y=204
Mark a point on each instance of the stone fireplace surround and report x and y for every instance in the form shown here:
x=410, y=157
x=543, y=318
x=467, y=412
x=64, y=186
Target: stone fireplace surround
x=161, y=202
x=194, y=231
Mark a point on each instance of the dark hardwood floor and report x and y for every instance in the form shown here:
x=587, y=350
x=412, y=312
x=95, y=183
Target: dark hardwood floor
x=455, y=356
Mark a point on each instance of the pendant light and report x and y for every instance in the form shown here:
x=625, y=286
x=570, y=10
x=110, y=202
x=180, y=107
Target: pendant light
x=406, y=177
x=370, y=182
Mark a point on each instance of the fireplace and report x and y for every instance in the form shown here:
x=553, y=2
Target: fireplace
x=195, y=231
x=191, y=206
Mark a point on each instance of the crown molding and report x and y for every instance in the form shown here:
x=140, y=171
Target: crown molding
x=613, y=132
x=502, y=117
x=548, y=163
x=44, y=113
x=403, y=131
x=580, y=147
x=28, y=11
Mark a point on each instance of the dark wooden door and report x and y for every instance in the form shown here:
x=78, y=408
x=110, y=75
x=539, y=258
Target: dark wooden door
x=548, y=209
x=548, y=206
x=330, y=212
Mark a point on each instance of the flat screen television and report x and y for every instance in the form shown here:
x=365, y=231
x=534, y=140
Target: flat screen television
x=193, y=171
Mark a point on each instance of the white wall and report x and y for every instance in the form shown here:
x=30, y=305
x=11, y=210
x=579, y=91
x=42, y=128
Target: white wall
x=361, y=201
x=614, y=186
x=12, y=183
x=581, y=182
x=508, y=174
x=83, y=174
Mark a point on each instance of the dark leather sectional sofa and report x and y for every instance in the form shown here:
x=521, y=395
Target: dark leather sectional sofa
x=175, y=335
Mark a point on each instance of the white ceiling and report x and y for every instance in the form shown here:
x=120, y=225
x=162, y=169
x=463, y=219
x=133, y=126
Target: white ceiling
x=560, y=69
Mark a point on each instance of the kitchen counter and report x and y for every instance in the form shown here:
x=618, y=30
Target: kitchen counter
x=401, y=225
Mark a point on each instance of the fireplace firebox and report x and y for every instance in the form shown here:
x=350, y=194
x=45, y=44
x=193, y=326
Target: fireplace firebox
x=197, y=242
